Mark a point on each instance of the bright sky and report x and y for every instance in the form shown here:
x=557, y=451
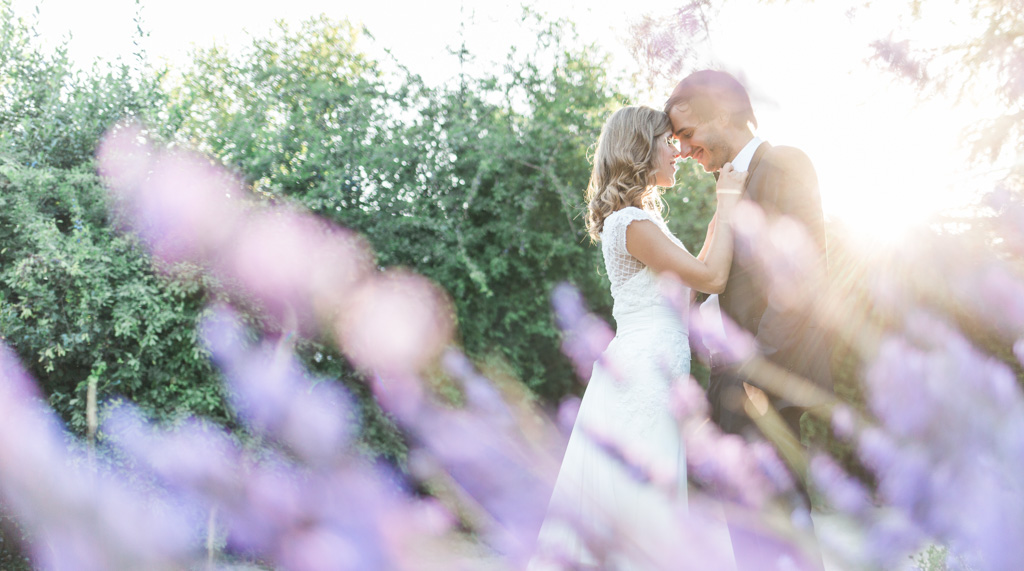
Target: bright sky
x=885, y=159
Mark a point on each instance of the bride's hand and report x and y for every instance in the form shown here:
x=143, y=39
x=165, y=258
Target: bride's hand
x=730, y=181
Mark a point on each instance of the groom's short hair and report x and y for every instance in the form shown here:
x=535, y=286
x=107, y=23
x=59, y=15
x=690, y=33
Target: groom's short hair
x=710, y=92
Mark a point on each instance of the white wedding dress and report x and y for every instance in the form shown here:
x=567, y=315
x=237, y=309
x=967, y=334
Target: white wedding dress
x=624, y=417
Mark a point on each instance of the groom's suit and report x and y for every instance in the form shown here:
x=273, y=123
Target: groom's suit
x=782, y=182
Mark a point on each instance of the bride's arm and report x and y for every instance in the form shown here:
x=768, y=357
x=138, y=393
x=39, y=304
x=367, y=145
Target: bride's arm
x=703, y=253
x=707, y=239
x=647, y=243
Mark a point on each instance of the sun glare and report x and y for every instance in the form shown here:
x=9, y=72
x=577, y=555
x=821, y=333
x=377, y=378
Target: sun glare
x=887, y=158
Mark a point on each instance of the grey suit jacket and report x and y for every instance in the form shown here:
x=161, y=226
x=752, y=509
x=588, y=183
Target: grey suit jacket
x=782, y=182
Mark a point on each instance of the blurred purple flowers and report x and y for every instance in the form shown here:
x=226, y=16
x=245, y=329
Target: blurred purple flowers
x=81, y=516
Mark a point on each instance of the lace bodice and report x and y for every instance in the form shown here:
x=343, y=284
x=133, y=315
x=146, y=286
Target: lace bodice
x=634, y=286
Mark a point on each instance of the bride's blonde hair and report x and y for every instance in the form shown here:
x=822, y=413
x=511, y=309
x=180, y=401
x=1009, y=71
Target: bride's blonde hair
x=624, y=165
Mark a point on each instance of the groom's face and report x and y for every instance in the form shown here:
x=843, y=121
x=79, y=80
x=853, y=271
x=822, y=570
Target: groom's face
x=702, y=140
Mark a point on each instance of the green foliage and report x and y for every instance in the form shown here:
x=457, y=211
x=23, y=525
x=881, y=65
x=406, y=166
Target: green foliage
x=289, y=113
x=378, y=434
x=78, y=299
x=13, y=555
x=939, y=558
x=511, y=196
x=477, y=185
x=53, y=115
x=932, y=559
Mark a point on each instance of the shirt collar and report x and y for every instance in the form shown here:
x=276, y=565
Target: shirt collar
x=742, y=161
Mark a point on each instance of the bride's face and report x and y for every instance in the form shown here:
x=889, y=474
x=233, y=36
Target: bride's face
x=665, y=160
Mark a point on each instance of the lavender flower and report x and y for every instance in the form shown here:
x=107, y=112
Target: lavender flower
x=272, y=392
x=82, y=517
x=395, y=324
x=585, y=336
x=843, y=492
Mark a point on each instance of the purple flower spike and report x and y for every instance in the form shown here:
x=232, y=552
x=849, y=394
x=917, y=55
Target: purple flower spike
x=898, y=390
x=724, y=463
x=481, y=394
x=999, y=297
x=185, y=208
x=844, y=423
x=689, y=400
x=585, y=335
x=273, y=393
x=842, y=491
x=81, y=517
x=316, y=548
x=272, y=502
x=771, y=466
x=318, y=423
x=400, y=395
x=890, y=538
x=296, y=265
x=731, y=343
x=567, y=413
x=877, y=449
x=395, y=324
x=495, y=468
x=352, y=517
x=179, y=203
x=193, y=458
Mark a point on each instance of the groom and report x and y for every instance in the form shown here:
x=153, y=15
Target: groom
x=712, y=118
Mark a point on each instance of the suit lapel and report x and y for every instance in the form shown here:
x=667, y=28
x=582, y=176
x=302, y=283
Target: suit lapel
x=758, y=154
x=754, y=162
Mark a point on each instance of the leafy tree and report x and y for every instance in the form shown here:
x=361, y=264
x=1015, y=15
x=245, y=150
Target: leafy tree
x=477, y=185
x=52, y=114
x=78, y=300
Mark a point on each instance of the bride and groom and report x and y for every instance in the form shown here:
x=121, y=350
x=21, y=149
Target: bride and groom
x=625, y=460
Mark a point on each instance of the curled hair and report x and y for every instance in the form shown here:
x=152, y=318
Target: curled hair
x=709, y=93
x=625, y=165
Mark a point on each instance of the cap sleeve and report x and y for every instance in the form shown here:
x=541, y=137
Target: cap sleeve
x=614, y=233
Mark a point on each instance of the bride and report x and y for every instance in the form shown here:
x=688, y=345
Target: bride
x=624, y=468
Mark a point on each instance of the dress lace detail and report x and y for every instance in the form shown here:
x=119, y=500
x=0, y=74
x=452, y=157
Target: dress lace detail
x=634, y=287
x=620, y=264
